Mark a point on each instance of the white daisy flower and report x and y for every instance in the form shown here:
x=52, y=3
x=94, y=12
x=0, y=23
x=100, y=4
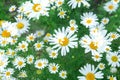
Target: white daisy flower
x=53, y=54
x=62, y=40
x=90, y=73
x=37, y=8
x=110, y=7
x=97, y=57
x=12, y=8
x=38, y=46
x=53, y=68
x=8, y=72
x=41, y=63
x=22, y=74
x=113, y=58
x=39, y=33
x=72, y=29
x=22, y=46
x=30, y=59
x=112, y=78
x=95, y=43
x=89, y=19
x=31, y=37
x=63, y=74
x=72, y=22
x=22, y=25
x=3, y=62
x=115, y=1
x=113, y=69
x=19, y=62
x=105, y=21
x=101, y=66
x=59, y=2
x=113, y=35
x=77, y=3
x=62, y=14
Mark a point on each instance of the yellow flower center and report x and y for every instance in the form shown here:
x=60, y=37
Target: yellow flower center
x=54, y=68
x=7, y=73
x=62, y=13
x=78, y=0
x=38, y=45
x=30, y=59
x=53, y=53
x=72, y=28
x=36, y=7
x=39, y=64
x=23, y=46
x=90, y=76
x=116, y=0
x=113, y=36
x=6, y=34
x=60, y=3
x=64, y=41
x=114, y=58
x=111, y=78
x=111, y=7
x=20, y=25
x=89, y=21
x=97, y=56
x=20, y=63
x=93, y=46
x=63, y=74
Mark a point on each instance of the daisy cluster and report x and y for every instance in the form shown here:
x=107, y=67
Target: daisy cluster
x=30, y=56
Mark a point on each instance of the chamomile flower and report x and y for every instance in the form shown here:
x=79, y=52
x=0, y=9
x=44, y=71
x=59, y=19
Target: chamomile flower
x=97, y=57
x=95, y=43
x=63, y=74
x=113, y=35
x=4, y=42
x=39, y=33
x=53, y=54
x=41, y=63
x=90, y=73
x=101, y=66
x=113, y=58
x=3, y=62
x=19, y=62
x=37, y=8
x=11, y=52
x=72, y=22
x=38, y=46
x=112, y=78
x=62, y=40
x=59, y=2
x=72, y=28
x=89, y=19
x=53, y=68
x=31, y=37
x=22, y=25
x=62, y=14
x=110, y=7
x=30, y=59
x=115, y=1
x=22, y=46
x=13, y=41
x=47, y=36
x=108, y=49
x=22, y=74
x=105, y=21
x=8, y=72
x=113, y=69
x=77, y=3
x=12, y=8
